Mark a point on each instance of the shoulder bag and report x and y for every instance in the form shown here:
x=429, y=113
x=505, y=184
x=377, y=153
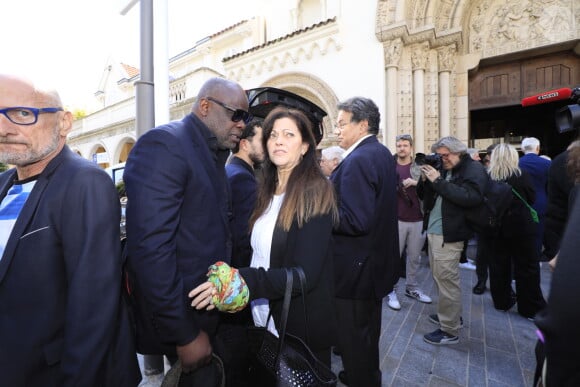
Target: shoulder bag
x=286, y=360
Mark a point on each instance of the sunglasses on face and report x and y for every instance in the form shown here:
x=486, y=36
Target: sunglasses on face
x=237, y=114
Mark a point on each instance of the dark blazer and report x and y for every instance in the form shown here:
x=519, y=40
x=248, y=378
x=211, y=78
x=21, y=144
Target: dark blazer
x=559, y=187
x=177, y=226
x=560, y=320
x=366, y=251
x=538, y=168
x=62, y=321
x=243, y=187
x=309, y=247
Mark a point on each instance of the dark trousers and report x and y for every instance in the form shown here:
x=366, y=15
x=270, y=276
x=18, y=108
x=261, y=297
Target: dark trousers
x=521, y=252
x=359, y=328
x=232, y=335
x=483, y=254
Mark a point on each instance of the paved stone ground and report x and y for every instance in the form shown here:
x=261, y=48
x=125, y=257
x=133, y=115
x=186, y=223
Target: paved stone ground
x=496, y=348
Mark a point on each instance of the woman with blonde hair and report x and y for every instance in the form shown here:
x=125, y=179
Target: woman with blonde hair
x=514, y=246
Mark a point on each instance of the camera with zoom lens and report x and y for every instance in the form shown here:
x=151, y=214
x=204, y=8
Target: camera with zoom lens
x=433, y=160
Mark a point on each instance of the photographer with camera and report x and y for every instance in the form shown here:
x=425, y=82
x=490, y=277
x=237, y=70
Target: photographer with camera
x=451, y=181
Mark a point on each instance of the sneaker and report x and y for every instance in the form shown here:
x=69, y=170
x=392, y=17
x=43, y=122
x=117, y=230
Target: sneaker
x=393, y=301
x=439, y=337
x=435, y=320
x=467, y=265
x=418, y=295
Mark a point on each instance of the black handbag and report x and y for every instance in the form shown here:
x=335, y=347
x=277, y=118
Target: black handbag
x=285, y=361
x=210, y=375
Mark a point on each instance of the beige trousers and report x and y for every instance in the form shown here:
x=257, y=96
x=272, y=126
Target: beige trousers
x=444, y=261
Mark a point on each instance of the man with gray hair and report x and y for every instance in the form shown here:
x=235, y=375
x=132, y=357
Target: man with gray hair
x=330, y=158
x=366, y=253
x=446, y=193
x=538, y=168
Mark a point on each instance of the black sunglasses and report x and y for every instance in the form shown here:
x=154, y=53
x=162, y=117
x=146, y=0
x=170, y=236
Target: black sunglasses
x=237, y=114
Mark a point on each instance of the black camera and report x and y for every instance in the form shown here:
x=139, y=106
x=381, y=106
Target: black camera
x=433, y=160
x=568, y=117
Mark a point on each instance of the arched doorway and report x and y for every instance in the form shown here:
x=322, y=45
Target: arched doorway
x=496, y=91
x=100, y=156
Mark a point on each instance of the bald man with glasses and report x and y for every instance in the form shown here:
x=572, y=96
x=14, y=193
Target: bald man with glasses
x=62, y=319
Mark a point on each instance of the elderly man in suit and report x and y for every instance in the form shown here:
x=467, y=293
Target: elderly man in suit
x=366, y=251
x=62, y=318
x=538, y=168
x=178, y=218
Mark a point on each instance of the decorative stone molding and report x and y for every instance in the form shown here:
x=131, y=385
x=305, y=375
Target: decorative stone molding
x=392, y=52
x=386, y=12
x=281, y=59
x=419, y=55
x=446, y=57
x=506, y=26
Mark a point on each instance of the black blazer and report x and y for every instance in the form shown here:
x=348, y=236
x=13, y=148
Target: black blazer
x=243, y=187
x=366, y=251
x=309, y=247
x=177, y=226
x=62, y=319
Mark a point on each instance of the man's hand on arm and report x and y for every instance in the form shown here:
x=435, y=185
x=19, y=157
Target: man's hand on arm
x=195, y=354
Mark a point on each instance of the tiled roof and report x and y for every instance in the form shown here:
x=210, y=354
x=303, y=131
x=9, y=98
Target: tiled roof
x=285, y=37
x=130, y=70
x=228, y=28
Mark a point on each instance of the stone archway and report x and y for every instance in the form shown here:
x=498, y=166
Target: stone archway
x=463, y=33
x=100, y=156
x=314, y=90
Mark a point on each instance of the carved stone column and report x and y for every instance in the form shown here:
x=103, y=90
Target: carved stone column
x=446, y=59
x=419, y=60
x=392, y=52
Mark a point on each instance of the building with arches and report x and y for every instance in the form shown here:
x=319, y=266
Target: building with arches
x=434, y=68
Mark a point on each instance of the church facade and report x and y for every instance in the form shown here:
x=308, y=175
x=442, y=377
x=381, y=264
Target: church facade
x=434, y=68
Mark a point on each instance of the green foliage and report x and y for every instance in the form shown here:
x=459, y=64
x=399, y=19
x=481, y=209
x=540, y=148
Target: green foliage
x=121, y=189
x=3, y=167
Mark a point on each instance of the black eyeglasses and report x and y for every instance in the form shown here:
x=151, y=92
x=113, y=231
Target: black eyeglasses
x=237, y=114
x=21, y=115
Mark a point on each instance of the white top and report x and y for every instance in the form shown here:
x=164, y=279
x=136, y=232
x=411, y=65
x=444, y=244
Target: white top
x=261, y=241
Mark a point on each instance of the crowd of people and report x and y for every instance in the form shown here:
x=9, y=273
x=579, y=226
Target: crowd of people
x=254, y=198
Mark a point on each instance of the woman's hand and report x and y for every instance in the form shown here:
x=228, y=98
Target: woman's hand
x=202, y=296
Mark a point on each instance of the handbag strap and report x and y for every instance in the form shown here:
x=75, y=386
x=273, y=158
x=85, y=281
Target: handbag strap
x=521, y=198
x=286, y=307
x=302, y=278
x=284, y=315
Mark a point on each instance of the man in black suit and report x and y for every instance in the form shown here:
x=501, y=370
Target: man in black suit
x=247, y=155
x=366, y=251
x=178, y=220
x=62, y=318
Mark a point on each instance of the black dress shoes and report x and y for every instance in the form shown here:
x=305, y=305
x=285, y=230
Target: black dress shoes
x=479, y=288
x=342, y=377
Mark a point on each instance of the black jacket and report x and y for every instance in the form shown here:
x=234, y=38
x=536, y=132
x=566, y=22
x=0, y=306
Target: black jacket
x=309, y=247
x=517, y=220
x=464, y=190
x=560, y=320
